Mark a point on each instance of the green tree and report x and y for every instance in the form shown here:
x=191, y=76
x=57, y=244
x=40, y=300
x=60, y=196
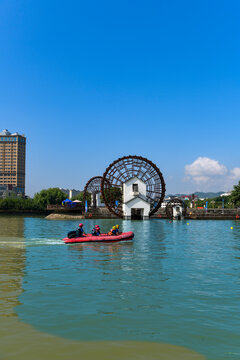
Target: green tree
x=49, y=196
x=235, y=195
x=18, y=204
x=112, y=194
x=187, y=203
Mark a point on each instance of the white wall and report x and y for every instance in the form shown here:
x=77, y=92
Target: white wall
x=131, y=199
x=127, y=188
x=98, y=200
x=164, y=204
x=136, y=203
x=177, y=210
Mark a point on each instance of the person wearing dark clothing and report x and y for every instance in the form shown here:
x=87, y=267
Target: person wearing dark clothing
x=80, y=232
x=96, y=230
x=76, y=233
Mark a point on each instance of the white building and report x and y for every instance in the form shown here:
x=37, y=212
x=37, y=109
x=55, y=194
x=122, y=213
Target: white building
x=135, y=202
x=177, y=212
x=226, y=194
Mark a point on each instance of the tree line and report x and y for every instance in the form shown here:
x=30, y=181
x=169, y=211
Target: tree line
x=38, y=202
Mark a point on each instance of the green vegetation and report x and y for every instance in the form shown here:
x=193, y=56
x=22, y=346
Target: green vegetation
x=208, y=195
x=112, y=194
x=201, y=195
x=18, y=204
x=215, y=203
x=235, y=195
x=49, y=196
x=39, y=202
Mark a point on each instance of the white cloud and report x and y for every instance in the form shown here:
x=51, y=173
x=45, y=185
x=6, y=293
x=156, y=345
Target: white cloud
x=235, y=174
x=209, y=175
x=203, y=169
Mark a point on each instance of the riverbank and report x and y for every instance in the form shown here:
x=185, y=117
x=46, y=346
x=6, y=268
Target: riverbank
x=213, y=214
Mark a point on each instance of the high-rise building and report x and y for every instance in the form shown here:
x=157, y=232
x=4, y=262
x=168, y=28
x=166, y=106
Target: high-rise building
x=12, y=160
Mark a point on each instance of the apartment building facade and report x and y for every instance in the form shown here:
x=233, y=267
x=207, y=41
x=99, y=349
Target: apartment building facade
x=12, y=161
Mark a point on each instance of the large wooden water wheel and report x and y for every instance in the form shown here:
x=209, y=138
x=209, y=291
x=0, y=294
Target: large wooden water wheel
x=124, y=169
x=93, y=187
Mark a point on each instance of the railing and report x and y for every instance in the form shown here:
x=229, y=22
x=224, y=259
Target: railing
x=213, y=213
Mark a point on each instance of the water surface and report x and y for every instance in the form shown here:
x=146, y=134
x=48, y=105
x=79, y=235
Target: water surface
x=175, y=284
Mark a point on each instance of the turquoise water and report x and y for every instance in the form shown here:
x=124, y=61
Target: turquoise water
x=175, y=283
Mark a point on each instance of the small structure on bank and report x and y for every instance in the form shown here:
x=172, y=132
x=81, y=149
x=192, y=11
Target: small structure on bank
x=93, y=186
x=133, y=187
x=175, y=209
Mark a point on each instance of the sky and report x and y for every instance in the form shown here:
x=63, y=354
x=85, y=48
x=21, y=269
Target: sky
x=88, y=82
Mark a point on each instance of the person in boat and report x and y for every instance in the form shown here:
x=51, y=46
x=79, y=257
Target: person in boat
x=96, y=230
x=76, y=233
x=80, y=232
x=112, y=231
x=117, y=229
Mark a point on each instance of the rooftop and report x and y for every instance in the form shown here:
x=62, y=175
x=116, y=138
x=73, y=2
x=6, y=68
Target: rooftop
x=5, y=132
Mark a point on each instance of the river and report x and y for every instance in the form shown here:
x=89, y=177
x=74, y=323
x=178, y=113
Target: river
x=172, y=293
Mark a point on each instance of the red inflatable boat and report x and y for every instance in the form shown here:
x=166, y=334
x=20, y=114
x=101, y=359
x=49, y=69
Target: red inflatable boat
x=101, y=238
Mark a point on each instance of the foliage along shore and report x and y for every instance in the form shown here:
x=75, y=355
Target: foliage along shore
x=37, y=204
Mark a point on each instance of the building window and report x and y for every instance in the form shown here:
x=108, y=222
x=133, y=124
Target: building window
x=135, y=188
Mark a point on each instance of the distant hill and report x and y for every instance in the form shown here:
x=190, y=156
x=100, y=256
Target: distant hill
x=208, y=195
x=201, y=195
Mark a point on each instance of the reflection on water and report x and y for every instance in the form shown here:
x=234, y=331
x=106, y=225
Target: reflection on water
x=111, y=252
x=11, y=226
x=12, y=262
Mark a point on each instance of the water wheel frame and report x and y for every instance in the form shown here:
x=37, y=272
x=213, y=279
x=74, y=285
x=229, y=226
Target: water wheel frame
x=93, y=186
x=126, y=168
x=174, y=202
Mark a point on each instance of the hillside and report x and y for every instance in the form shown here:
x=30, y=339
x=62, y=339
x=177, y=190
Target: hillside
x=201, y=195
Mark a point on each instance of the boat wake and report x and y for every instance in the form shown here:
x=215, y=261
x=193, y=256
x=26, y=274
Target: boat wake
x=43, y=241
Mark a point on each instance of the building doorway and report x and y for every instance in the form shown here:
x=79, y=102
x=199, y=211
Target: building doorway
x=136, y=214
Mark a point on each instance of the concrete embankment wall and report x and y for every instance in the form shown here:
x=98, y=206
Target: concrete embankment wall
x=100, y=213
x=202, y=214
x=213, y=214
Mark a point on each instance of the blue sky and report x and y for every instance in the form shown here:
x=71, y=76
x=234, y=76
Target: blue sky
x=90, y=81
